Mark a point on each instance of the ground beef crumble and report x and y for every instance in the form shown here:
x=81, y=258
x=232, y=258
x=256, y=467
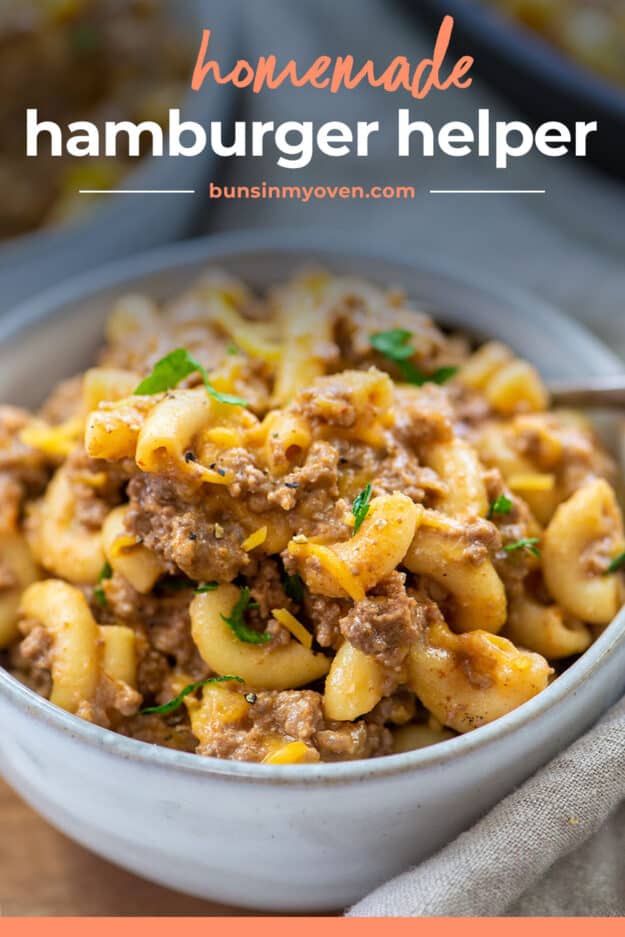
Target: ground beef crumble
x=97, y=487
x=177, y=523
x=64, y=402
x=31, y=658
x=201, y=535
x=386, y=623
x=24, y=472
x=163, y=631
x=423, y=415
x=293, y=715
x=267, y=588
x=111, y=702
x=153, y=730
x=326, y=614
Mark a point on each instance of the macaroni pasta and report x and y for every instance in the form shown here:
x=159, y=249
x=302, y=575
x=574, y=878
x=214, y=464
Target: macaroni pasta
x=300, y=527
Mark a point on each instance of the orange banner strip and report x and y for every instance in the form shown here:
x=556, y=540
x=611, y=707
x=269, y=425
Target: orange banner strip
x=304, y=926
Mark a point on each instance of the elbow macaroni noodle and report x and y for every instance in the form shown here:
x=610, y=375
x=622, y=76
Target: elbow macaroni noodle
x=355, y=566
x=64, y=614
x=138, y=565
x=470, y=679
x=591, y=519
x=279, y=669
x=356, y=562
x=440, y=551
x=17, y=559
x=62, y=544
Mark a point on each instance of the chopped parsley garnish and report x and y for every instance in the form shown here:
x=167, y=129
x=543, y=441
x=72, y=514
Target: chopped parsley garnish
x=173, y=704
x=395, y=345
x=98, y=593
x=360, y=508
x=206, y=587
x=528, y=543
x=501, y=505
x=236, y=621
x=232, y=349
x=443, y=374
x=617, y=563
x=173, y=368
x=294, y=587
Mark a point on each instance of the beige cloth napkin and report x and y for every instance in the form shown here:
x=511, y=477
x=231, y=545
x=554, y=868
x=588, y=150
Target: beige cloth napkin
x=544, y=850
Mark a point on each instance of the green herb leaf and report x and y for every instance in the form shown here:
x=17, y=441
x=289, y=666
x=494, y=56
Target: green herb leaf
x=294, y=587
x=395, y=345
x=206, y=587
x=168, y=372
x=501, y=505
x=236, y=621
x=411, y=373
x=617, y=563
x=444, y=374
x=173, y=368
x=528, y=543
x=173, y=704
x=100, y=596
x=98, y=593
x=232, y=349
x=360, y=508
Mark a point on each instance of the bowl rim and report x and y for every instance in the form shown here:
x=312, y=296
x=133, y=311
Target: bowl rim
x=525, y=47
x=218, y=248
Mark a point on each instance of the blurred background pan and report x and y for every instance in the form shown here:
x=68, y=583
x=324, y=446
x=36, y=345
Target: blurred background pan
x=122, y=225
x=540, y=79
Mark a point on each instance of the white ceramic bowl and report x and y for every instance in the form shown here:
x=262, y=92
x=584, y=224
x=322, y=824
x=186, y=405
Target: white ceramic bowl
x=122, y=225
x=308, y=837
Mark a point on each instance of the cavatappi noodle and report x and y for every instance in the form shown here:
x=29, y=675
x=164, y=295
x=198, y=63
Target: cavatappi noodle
x=308, y=526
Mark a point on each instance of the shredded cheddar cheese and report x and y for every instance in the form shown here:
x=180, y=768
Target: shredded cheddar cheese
x=97, y=480
x=122, y=545
x=218, y=706
x=291, y=623
x=208, y=475
x=250, y=337
x=292, y=753
x=255, y=540
x=333, y=565
x=55, y=441
x=532, y=481
x=256, y=347
x=434, y=520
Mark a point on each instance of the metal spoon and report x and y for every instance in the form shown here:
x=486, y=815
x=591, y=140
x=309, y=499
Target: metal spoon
x=599, y=393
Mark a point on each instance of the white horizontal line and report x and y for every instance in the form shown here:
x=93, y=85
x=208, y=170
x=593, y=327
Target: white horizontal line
x=136, y=191
x=488, y=191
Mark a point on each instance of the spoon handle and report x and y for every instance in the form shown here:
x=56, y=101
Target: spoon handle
x=599, y=393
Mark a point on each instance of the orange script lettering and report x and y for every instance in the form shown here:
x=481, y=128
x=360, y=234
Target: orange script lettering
x=419, y=79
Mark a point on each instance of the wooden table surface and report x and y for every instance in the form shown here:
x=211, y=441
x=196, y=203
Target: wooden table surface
x=42, y=873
